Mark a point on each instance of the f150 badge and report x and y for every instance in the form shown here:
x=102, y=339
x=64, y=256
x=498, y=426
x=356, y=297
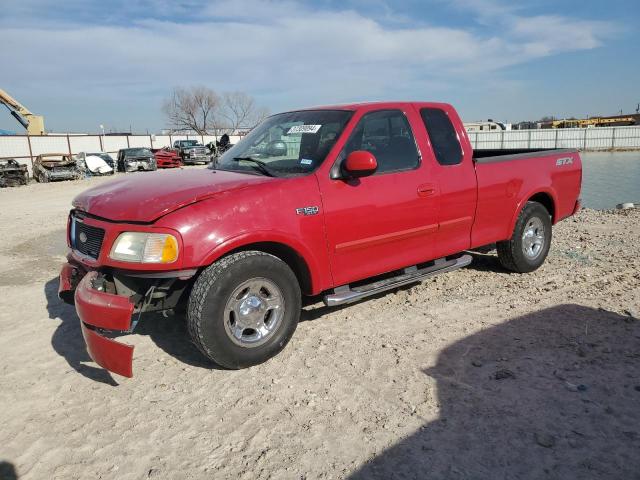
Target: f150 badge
x=564, y=161
x=307, y=210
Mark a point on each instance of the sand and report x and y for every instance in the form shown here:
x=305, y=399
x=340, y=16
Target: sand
x=475, y=374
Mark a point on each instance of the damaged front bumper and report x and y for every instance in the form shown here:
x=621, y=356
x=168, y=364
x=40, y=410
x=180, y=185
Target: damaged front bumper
x=100, y=313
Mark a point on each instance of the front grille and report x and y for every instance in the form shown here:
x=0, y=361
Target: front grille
x=85, y=238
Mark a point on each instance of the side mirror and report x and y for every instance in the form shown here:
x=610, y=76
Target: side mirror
x=360, y=164
x=275, y=148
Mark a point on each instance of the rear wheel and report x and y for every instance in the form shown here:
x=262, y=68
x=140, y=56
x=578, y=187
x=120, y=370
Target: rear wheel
x=244, y=309
x=528, y=247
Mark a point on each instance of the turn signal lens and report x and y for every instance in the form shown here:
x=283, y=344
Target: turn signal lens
x=145, y=248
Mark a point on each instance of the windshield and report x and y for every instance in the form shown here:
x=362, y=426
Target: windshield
x=189, y=143
x=134, y=152
x=288, y=144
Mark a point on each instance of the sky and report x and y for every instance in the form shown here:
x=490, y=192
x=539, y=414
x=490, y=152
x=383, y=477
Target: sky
x=82, y=63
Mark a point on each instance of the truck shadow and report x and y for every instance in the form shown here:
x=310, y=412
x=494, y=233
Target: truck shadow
x=171, y=335
x=67, y=339
x=552, y=394
x=7, y=471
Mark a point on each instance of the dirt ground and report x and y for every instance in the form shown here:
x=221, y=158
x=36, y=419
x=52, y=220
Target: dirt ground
x=475, y=374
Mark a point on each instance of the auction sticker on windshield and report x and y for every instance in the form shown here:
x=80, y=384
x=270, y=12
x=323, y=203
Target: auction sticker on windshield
x=304, y=129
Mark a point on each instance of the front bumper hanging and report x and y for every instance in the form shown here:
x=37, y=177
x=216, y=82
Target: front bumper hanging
x=99, y=312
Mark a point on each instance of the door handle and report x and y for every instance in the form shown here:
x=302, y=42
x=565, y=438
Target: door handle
x=426, y=190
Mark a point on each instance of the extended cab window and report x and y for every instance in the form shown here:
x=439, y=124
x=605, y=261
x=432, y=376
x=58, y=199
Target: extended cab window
x=387, y=135
x=444, y=139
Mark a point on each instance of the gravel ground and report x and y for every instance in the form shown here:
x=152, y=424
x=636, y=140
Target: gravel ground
x=475, y=374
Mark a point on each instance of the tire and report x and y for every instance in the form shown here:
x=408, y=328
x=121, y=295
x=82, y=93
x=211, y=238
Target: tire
x=244, y=282
x=529, y=245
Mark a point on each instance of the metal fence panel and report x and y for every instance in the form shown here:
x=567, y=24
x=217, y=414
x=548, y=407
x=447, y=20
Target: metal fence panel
x=14, y=147
x=161, y=141
x=85, y=144
x=626, y=137
x=49, y=144
x=113, y=143
x=143, y=141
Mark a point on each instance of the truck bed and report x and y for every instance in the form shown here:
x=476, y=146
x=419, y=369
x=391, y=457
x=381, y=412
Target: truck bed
x=506, y=178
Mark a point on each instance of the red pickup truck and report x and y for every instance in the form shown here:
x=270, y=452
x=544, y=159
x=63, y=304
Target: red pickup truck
x=342, y=201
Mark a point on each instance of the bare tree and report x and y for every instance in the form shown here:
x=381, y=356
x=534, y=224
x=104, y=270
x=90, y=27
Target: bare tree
x=192, y=108
x=239, y=110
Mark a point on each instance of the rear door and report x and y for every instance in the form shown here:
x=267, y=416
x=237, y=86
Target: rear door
x=385, y=221
x=449, y=151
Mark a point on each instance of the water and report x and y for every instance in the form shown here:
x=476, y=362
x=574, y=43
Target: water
x=610, y=178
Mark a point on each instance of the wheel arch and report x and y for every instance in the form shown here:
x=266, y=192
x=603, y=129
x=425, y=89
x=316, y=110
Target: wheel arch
x=547, y=201
x=545, y=197
x=302, y=264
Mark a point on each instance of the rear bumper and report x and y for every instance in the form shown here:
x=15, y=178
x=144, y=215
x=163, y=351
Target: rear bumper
x=99, y=311
x=577, y=206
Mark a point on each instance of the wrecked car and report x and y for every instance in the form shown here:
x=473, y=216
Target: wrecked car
x=52, y=167
x=98, y=163
x=12, y=173
x=135, y=159
x=167, y=157
x=191, y=151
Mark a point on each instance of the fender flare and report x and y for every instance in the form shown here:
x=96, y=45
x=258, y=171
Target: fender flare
x=318, y=278
x=525, y=198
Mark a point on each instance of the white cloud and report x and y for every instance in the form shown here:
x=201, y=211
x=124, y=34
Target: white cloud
x=285, y=53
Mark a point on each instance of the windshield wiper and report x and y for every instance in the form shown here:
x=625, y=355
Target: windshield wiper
x=259, y=164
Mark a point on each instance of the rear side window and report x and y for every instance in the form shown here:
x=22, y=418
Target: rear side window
x=444, y=139
x=386, y=134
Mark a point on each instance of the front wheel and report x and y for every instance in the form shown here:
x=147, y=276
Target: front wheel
x=528, y=247
x=244, y=309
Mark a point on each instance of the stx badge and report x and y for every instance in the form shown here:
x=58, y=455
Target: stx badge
x=564, y=161
x=307, y=210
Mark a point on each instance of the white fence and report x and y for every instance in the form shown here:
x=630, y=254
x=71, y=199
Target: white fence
x=599, y=138
x=25, y=148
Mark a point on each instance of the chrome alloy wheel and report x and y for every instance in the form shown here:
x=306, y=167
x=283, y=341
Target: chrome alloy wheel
x=253, y=312
x=533, y=238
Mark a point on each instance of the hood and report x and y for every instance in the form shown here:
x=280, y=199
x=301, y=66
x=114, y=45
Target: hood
x=145, y=198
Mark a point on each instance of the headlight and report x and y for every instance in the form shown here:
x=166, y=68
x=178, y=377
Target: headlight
x=145, y=248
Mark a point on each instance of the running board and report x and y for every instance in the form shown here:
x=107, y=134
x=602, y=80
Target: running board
x=346, y=294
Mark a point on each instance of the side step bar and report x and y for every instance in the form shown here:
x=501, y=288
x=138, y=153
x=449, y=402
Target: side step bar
x=346, y=294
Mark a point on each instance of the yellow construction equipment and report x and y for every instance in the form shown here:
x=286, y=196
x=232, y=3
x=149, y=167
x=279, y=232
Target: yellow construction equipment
x=617, y=120
x=33, y=123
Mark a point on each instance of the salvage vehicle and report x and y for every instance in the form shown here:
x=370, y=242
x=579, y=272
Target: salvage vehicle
x=13, y=173
x=344, y=201
x=53, y=167
x=167, y=158
x=98, y=163
x=136, y=159
x=191, y=151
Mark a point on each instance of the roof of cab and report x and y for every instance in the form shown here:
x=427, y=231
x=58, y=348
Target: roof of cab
x=380, y=104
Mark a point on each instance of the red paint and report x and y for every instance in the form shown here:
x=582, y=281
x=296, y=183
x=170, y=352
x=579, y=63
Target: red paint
x=114, y=356
x=361, y=163
x=366, y=226
x=167, y=158
x=65, y=285
x=103, y=310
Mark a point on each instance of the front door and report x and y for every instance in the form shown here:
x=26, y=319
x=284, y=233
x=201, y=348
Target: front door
x=388, y=220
